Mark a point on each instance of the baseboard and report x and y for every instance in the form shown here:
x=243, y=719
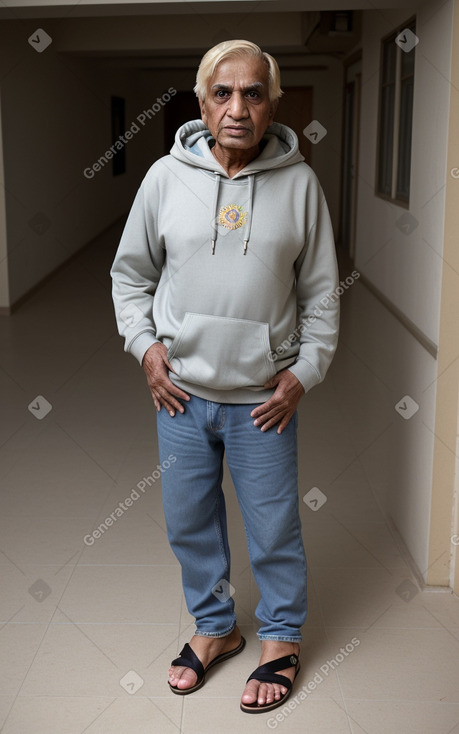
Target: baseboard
x=409, y=560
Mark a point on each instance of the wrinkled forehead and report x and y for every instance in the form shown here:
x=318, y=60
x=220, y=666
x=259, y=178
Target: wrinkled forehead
x=240, y=73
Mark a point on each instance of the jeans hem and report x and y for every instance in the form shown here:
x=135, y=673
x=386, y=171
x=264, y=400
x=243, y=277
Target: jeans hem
x=280, y=638
x=201, y=633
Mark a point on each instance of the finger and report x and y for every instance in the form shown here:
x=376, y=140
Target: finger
x=171, y=407
x=174, y=390
x=169, y=401
x=263, y=408
x=269, y=424
x=167, y=363
x=165, y=397
x=262, y=419
x=162, y=402
x=159, y=401
x=282, y=418
x=157, y=375
x=164, y=385
x=277, y=410
x=278, y=400
x=284, y=423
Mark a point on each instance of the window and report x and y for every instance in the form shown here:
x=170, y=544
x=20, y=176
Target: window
x=396, y=114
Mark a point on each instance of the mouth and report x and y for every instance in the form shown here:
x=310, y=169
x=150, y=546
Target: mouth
x=236, y=129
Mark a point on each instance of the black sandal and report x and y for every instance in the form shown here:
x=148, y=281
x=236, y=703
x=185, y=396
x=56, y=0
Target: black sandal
x=189, y=659
x=267, y=674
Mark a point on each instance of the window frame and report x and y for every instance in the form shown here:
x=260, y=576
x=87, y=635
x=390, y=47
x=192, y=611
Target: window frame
x=393, y=197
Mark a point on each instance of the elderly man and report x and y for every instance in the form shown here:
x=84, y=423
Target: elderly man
x=222, y=287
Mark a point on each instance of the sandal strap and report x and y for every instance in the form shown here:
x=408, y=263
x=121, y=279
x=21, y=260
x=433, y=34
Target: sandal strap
x=267, y=672
x=189, y=659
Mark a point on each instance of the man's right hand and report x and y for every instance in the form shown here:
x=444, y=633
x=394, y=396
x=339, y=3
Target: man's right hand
x=156, y=366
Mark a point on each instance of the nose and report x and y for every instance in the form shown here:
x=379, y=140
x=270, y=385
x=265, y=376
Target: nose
x=238, y=109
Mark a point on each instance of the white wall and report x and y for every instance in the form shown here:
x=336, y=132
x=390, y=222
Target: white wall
x=56, y=121
x=406, y=268
x=327, y=90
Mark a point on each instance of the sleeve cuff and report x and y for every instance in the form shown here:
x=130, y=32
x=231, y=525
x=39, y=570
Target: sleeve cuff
x=141, y=343
x=305, y=373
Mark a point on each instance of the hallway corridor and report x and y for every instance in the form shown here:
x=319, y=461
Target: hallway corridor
x=90, y=620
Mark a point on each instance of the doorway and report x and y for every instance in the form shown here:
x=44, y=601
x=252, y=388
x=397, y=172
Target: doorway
x=183, y=107
x=295, y=111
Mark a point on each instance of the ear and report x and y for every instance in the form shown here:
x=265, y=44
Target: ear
x=202, y=106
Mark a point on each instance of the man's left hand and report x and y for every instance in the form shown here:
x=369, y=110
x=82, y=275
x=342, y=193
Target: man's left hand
x=282, y=405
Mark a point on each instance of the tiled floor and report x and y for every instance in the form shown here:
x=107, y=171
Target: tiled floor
x=77, y=619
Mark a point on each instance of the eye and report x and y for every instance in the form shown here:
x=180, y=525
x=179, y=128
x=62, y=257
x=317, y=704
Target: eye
x=252, y=94
x=221, y=93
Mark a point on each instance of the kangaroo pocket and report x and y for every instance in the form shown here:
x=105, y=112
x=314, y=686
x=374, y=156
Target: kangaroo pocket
x=222, y=353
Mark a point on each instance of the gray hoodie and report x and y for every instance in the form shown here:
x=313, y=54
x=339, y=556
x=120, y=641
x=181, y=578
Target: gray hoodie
x=236, y=276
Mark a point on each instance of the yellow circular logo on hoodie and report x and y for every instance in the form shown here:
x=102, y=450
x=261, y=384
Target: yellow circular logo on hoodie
x=232, y=216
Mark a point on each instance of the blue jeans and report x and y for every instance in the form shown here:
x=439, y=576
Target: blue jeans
x=264, y=470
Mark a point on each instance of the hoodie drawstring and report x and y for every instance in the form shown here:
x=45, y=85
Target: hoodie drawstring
x=214, y=220
x=249, y=222
x=214, y=223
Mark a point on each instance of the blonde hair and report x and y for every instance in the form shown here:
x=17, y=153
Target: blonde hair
x=222, y=51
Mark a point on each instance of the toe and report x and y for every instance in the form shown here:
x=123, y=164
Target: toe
x=266, y=693
x=182, y=677
x=262, y=693
x=256, y=692
x=279, y=691
x=250, y=692
x=175, y=673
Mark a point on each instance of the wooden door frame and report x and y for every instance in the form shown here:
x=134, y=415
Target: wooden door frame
x=310, y=90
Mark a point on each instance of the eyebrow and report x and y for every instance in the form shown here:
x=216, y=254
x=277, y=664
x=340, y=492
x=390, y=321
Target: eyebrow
x=229, y=88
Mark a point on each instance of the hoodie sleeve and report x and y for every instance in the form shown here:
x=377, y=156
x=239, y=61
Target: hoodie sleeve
x=318, y=304
x=135, y=275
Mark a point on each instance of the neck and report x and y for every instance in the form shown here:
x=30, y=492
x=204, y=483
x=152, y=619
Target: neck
x=233, y=160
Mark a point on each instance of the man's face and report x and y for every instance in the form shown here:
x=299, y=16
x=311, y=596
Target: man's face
x=237, y=109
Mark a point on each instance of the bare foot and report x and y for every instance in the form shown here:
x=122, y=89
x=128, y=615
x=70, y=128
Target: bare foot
x=264, y=693
x=206, y=649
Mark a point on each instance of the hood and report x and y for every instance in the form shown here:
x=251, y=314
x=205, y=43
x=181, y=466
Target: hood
x=279, y=149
